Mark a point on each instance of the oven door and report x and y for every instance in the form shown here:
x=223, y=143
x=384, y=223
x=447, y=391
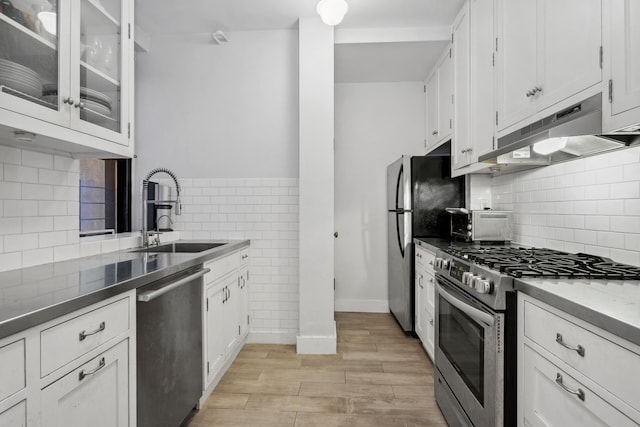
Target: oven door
x=468, y=354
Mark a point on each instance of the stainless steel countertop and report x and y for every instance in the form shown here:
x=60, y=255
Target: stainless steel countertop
x=34, y=295
x=612, y=305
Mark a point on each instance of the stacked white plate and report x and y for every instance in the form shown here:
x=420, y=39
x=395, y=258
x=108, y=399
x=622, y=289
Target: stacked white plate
x=20, y=78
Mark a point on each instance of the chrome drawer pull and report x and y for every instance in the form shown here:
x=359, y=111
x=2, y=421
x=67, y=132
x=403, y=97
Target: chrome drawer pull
x=84, y=373
x=578, y=392
x=579, y=349
x=85, y=334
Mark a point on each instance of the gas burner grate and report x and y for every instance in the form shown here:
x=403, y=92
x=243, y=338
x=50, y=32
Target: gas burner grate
x=546, y=263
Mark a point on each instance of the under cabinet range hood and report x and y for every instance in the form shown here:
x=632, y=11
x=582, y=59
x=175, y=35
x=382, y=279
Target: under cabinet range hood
x=573, y=132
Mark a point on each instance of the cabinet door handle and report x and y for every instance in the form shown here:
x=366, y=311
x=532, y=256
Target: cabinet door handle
x=579, y=349
x=577, y=392
x=79, y=105
x=431, y=321
x=530, y=93
x=431, y=279
x=430, y=262
x=537, y=89
x=85, y=334
x=68, y=100
x=84, y=373
x=435, y=132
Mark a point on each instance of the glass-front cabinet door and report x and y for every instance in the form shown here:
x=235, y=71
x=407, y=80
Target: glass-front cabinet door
x=32, y=51
x=67, y=62
x=99, y=73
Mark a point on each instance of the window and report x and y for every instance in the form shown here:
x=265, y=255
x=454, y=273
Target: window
x=105, y=196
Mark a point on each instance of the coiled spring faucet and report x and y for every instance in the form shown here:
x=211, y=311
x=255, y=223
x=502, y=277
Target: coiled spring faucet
x=145, y=202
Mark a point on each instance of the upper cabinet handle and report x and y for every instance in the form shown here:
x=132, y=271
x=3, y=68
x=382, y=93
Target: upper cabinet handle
x=435, y=132
x=579, y=349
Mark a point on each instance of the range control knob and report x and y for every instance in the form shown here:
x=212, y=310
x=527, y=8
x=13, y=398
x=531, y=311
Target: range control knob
x=438, y=262
x=467, y=278
x=445, y=264
x=484, y=286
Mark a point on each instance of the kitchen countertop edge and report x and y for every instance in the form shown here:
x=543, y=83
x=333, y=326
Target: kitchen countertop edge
x=28, y=320
x=615, y=326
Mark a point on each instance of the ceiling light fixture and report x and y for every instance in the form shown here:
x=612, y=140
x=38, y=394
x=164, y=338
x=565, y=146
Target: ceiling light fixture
x=332, y=11
x=550, y=145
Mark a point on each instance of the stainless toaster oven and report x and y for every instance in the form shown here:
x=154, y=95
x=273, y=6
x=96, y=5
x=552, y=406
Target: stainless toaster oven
x=481, y=225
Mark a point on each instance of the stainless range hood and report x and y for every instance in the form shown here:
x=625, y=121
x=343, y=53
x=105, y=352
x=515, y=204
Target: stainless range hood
x=577, y=129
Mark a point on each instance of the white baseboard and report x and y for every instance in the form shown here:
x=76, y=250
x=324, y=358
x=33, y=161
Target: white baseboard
x=318, y=344
x=271, y=337
x=362, y=305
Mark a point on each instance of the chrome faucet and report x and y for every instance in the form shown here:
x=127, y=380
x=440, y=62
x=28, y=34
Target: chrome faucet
x=145, y=202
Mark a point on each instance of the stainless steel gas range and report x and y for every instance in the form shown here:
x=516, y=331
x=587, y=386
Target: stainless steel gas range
x=475, y=331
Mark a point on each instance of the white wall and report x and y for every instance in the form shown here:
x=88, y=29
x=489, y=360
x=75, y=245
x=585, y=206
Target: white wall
x=587, y=205
x=225, y=120
x=219, y=111
x=375, y=124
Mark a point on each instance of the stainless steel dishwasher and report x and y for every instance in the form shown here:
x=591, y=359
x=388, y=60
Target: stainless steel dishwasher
x=169, y=348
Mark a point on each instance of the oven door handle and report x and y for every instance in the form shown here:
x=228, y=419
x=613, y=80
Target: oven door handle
x=472, y=312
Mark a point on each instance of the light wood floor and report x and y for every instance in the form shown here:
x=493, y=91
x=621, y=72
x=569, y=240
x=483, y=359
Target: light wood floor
x=379, y=377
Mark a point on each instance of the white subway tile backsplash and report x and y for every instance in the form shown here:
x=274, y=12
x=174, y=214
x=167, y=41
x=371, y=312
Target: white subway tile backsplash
x=10, y=155
x=10, y=190
x=16, y=173
x=37, y=160
x=264, y=210
x=626, y=224
x=37, y=224
x=37, y=192
x=592, y=205
x=21, y=242
x=52, y=208
x=37, y=257
x=625, y=190
x=20, y=208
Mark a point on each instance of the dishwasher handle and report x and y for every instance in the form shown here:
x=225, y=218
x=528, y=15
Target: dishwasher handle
x=151, y=295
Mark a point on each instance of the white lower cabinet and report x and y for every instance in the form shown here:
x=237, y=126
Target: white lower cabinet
x=15, y=416
x=424, y=298
x=95, y=394
x=226, y=315
x=554, y=398
x=571, y=373
x=87, y=379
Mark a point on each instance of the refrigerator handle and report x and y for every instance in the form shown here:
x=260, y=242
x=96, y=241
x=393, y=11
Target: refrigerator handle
x=400, y=245
x=398, y=184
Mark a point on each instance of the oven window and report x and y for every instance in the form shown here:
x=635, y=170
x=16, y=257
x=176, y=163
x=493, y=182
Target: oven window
x=461, y=339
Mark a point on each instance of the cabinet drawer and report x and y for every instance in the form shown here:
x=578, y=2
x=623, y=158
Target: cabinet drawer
x=600, y=359
x=547, y=403
x=425, y=259
x=12, y=369
x=221, y=267
x=244, y=256
x=62, y=343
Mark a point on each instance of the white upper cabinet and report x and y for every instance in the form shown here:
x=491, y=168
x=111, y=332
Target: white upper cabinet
x=66, y=73
x=432, y=110
x=460, y=140
x=445, y=97
x=439, y=88
x=482, y=115
x=621, y=29
x=547, y=52
x=474, y=97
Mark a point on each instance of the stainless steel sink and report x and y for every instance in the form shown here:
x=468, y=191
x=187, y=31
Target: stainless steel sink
x=185, y=247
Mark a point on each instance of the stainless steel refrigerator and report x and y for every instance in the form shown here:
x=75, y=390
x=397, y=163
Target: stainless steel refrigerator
x=419, y=188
